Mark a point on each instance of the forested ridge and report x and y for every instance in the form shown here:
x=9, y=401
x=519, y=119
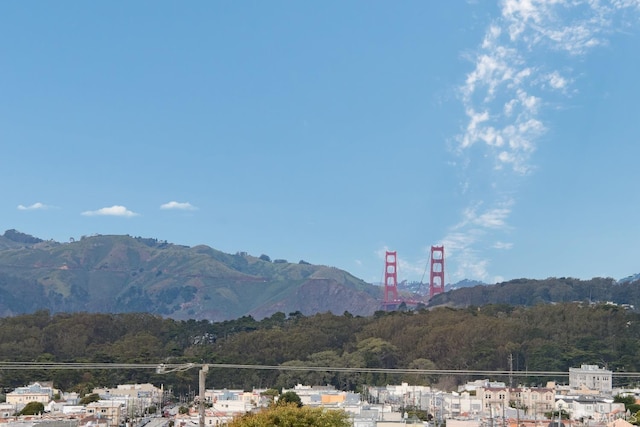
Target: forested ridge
x=540, y=338
x=530, y=292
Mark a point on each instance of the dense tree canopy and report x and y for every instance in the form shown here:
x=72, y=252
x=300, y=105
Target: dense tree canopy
x=540, y=338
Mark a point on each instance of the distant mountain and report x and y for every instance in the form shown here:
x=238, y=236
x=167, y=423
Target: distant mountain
x=628, y=279
x=420, y=288
x=109, y=273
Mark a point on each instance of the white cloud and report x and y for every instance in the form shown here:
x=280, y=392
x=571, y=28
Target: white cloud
x=185, y=206
x=502, y=245
x=494, y=218
x=33, y=207
x=497, y=93
x=509, y=106
x=469, y=265
x=503, y=95
x=458, y=241
x=556, y=81
x=473, y=133
x=574, y=27
x=115, y=210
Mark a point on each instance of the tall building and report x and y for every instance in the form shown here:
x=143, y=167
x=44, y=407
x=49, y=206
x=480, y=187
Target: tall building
x=590, y=378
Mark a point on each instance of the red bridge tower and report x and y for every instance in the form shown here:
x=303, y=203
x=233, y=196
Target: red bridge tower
x=390, y=279
x=436, y=277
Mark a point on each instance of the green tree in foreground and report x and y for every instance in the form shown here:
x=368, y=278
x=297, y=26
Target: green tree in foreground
x=33, y=408
x=293, y=416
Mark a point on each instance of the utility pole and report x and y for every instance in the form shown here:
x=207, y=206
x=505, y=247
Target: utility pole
x=201, y=377
x=164, y=369
x=510, y=371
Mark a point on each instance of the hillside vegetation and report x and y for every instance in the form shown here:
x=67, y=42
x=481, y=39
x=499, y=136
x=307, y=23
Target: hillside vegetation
x=528, y=292
x=119, y=274
x=540, y=338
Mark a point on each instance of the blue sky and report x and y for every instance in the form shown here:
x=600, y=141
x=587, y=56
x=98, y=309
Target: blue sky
x=331, y=131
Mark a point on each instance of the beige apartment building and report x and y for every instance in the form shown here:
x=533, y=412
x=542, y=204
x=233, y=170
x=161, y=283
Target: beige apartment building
x=537, y=400
x=35, y=392
x=112, y=411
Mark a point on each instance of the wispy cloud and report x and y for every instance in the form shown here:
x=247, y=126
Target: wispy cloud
x=574, y=27
x=503, y=96
x=494, y=217
x=502, y=245
x=183, y=206
x=115, y=210
x=34, y=207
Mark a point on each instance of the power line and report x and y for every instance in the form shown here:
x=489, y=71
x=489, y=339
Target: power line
x=169, y=367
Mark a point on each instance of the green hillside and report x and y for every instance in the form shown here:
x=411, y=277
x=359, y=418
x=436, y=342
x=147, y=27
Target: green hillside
x=114, y=274
x=528, y=292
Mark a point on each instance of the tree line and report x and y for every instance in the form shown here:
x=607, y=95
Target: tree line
x=540, y=338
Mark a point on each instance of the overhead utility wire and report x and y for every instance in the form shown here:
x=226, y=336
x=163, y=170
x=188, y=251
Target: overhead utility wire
x=169, y=367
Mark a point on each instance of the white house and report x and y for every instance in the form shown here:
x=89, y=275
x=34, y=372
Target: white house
x=587, y=407
x=590, y=378
x=7, y=410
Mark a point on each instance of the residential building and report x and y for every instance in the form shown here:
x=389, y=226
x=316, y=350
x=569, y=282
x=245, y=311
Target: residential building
x=473, y=386
x=324, y=396
x=588, y=407
x=136, y=397
x=35, y=392
x=536, y=400
x=461, y=405
x=590, y=378
x=7, y=410
x=107, y=409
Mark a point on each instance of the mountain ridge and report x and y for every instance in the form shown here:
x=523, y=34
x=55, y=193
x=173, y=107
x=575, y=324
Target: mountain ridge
x=122, y=274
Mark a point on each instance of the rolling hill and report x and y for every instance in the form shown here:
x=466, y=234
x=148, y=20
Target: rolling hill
x=529, y=292
x=113, y=273
x=120, y=274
